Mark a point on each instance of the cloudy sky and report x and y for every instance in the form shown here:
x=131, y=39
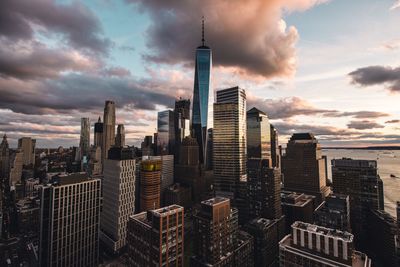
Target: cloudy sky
x=331, y=67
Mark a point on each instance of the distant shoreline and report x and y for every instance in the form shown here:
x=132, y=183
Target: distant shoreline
x=367, y=148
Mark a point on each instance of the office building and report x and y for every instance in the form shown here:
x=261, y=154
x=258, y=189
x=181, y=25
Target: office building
x=178, y=194
x=359, y=179
x=84, y=143
x=150, y=184
x=165, y=132
x=188, y=170
x=275, y=150
x=118, y=197
x=156, y=237
x=297, y=207
x=28, y=214
x=120, y=138
x=95, y=166
x=147, y=146
x=4, y=159
x=16, y=165
x=65, y=238
x=98, y=133
x=217, y=240
x=108, y=128
x=267, y=234
x=182, y=124
x=27, y=146
x=258, y=135
x=313, y=245
x=303, y=167
x=229, y=138
x=167, y=172
x=382, y=234
x=264, y=189
x=215, y=229
x=203, y=98
x=334, y=213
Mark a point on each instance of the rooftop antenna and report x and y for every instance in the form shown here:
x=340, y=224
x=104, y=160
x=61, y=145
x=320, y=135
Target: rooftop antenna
x=202, y=30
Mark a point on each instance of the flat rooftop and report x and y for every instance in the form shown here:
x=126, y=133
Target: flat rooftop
x=295, y=199
x=167, y=210
x=345, y=236
x=215, y=201
x=69, y=178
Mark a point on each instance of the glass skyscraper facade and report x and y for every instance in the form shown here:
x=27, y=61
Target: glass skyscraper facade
x=203, y=99
x=166, y=132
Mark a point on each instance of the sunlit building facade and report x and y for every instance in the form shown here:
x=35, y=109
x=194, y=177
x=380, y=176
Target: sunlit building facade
x=258, y=135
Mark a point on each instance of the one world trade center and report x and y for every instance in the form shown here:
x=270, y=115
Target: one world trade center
x=203, y=98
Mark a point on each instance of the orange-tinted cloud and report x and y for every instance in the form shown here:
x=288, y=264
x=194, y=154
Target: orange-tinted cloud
x=248, y=35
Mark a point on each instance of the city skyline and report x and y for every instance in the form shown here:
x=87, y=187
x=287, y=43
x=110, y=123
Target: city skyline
x=351, y=101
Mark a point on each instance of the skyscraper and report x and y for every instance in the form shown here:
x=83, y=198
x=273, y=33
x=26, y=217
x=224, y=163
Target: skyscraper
x=182, y=123
x=264, y=189
x=27, y=146
x=313, y=245
x=303, y=167
x=275, y=156
x=203, y=97
x=150, y=183
x=69, y=221
x=98, y=133
x=258, y=135
x=108, y=128
x=4, y=159
x=360, y=180
x=217, y=240
x=84, y=142
x=16, y=165
x=166, y=132
x=118, y=197
x=120, y=138
x=229, y=138
x=156, y=238
x=334, y=213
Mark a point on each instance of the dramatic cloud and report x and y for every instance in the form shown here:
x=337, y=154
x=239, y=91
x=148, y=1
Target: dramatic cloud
x=247, y=35
x=78, y=26
x=294, y=106
x=79, y=92
x=364, y=125
x=377, y=75
x=392, y=121
x=33, y=60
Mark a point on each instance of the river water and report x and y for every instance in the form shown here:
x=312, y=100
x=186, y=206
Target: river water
x=388, y=163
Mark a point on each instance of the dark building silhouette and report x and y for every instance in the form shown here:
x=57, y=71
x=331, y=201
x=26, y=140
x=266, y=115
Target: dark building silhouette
x=267, y=234
x=334, y=213
x=98, y=133
x=182, y=124
x=65, y=238
x=147, y=146
x=297, y=207
x=156, y=237
x=178, y=194
x=275, y=150
x=382, y=235
x=188, y=171
x=360, y=180
x=313, y=245
x=303, y=166
x=166, y=132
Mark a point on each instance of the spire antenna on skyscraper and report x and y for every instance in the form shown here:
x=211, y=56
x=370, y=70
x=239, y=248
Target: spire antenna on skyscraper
x=202, y=30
